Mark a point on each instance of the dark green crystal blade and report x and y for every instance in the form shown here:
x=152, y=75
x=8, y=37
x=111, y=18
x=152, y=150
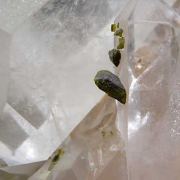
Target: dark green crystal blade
x=110, y=84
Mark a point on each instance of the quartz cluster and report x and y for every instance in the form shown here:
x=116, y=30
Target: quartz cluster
x=48, y=60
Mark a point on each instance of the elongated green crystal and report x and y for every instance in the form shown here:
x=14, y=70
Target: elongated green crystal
x=115, y=56
x=58, y=155
x=110, y=84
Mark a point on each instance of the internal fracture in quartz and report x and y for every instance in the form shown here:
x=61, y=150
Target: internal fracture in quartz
x=153, y=76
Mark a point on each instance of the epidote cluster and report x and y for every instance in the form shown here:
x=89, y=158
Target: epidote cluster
x=106, y=80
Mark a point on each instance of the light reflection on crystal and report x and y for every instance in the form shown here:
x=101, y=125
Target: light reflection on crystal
x=137, y=124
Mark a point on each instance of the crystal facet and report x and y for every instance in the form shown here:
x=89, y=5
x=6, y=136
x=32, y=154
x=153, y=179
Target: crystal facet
x=150, y=69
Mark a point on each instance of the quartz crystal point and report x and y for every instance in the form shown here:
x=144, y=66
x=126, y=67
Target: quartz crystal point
x=150, y=69
x=93, y=151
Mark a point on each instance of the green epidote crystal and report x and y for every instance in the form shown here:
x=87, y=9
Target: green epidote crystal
x=110, y=84
x=58, y=155
x=55, y=158
x=121, y=43
x=119, y=32
x=113, y=27
x=115, y=56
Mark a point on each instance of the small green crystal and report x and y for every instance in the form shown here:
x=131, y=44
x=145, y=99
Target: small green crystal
x=58, y=155
x=113, y=27
x=111, y=132
x=55, y=158
x=103, y=133
x=119, y=32
x=110, y=84
x=121, y=43
x=115, y=56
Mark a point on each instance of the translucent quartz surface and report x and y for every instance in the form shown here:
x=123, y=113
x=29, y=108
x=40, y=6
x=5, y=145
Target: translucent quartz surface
x=55, y=50
x=4, y=66
x=150, y=72
x=14, y=12
x=93, y=151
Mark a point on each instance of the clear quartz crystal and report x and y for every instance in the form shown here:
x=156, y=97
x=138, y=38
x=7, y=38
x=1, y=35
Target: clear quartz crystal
x=150, y=71
x=4, y=66
x=55, y=48
x=93, y=151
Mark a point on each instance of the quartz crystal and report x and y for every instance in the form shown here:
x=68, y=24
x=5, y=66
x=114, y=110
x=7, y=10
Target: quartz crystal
x=4, y=66
x=53, y=49
x=150, y=71
x=93, y=151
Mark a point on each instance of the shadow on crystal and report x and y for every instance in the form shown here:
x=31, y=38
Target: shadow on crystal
x=11, y=134
x=28, y=109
